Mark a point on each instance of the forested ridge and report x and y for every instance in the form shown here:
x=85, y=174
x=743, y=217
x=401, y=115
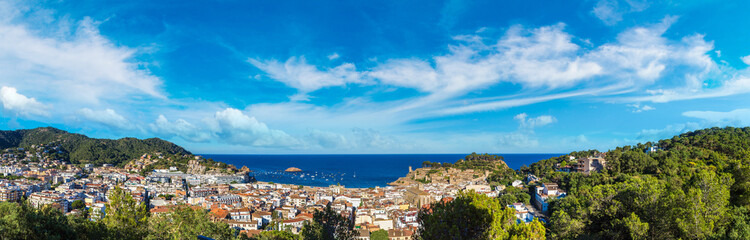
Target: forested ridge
x=693, y=186
x=79, y=148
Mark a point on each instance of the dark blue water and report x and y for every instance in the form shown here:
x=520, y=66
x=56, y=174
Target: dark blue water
x=357, y=171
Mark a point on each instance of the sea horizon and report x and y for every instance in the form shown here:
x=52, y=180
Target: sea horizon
x=350, y=170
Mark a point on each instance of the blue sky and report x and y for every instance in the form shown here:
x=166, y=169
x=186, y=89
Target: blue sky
x=376, y=76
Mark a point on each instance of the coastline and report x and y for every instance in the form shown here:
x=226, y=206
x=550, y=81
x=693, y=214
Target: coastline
x=350, y=170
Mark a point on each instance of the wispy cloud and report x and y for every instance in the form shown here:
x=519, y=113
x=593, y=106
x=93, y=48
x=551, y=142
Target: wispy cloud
x=524, y=138
x=668, y=131
x=54, y=66
x=545, y=59
x=517, y=140
x=83, y=62
x=333, y=56
x=107, y=117
x=298, y=74
x=611, y=12
x=525, y=122
x=637, y=107
x=179, y=128
x=737, y=117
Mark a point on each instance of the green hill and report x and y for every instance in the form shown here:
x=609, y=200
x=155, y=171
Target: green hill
x=78, y=148
x=694, y=186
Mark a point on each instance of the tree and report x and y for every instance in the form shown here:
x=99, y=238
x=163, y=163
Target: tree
x=127, y=218
x=457, y=219
x=86, y=229
x=275, y=235
x=704, y=205
x=562, y=226
x=513, y=195
x=426, y=164
x=14, y=222
x=474, y=216
x=18, y=221
x=329, y=225
x=184, y=222
x=632, y=226
x=379, y=235
x=737, y=225
x=77, y=204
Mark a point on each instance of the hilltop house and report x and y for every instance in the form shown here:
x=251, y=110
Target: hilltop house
x=522, y=213
x=590, y=164
x=545, y=192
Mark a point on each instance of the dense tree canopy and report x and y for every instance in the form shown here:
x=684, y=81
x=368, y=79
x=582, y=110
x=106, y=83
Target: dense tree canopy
x=125, y=215
x=19, y=221
x=184, y=222
x=379, y=235
x=474, y=216
x=694, y=186
x=329, y=225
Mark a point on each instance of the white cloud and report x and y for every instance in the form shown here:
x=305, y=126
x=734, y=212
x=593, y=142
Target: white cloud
x=517, y=140
x=737, y=117
x=298, y=74
x=179, y=128
x=580, y=139
x=746, y=59
x=17, y=103
x=226, y=126
x=738, y=84
x=547, y=57
x=642, y=55
x=516, y=101
x=611, y=12
x=411, y=73
x=333, y=56
x=537, y=57
x=637, y=107
x=546, y=62
x=68, y=65
x=108, y=118
x=373, y=139
x=608, y=11
x=233, y=126
x=530, y=123
x=328, y=140
x=79, y=61
x=668, y=132
x=524, y=138
x=20, y=104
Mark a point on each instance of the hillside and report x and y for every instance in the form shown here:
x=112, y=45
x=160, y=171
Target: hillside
x=692, y=186
x=78, y=148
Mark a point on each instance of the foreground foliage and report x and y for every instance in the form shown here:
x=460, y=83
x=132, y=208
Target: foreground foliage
x=697, y=186
x=474, y=216
x=329, y=225
x=19, y=221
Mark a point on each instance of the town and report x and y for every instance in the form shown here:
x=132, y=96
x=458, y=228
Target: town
x=250, y=206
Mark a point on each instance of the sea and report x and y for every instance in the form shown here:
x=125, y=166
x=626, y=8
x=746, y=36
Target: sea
x=349, y=170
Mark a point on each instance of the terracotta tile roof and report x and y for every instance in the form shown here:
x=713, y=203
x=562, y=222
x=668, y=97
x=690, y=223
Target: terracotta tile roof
x=219, y=213
x=251, y=233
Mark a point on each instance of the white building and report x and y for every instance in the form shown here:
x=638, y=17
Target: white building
x=53, y=199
